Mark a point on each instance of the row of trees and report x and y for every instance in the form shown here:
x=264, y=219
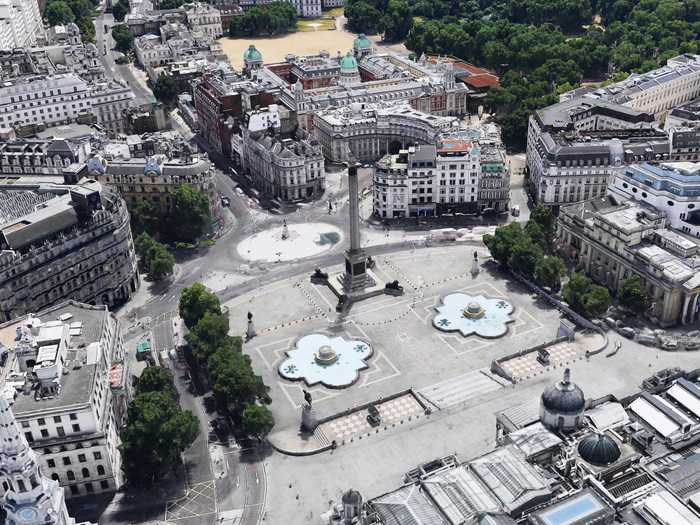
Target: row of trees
x=157, y=430
x=62, y=12
x=393, y=18
x=186, y=221
x=545, y=47
x=271, y=19
x=237, y=391
x=123, y=38
x=528, y=252
x=156, y=260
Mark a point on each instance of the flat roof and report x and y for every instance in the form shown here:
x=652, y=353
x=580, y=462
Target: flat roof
x=583, y=508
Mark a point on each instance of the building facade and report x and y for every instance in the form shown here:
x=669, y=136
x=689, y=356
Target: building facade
x=612, y=242
x=573, y=147
x=289, y=169
x=70, y=384
x=369, y=131
x=20, y=24
x=58, y=242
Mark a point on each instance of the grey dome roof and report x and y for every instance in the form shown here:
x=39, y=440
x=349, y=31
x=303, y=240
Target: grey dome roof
x=599, y=449
x=565, y=397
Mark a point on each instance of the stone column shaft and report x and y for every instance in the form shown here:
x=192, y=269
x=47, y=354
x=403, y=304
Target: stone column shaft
x=354, y=208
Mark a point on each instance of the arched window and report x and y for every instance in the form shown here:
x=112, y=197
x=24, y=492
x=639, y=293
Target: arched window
x=55, y=477
x=70, y=475
x=100, y=470
x=86, y=473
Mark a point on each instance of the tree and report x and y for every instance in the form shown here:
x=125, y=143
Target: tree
x=597, y=301
x=145, y=217
x=524, y=257
x=575, y=290
x=210, y=332
x=59, y=13
x=156, y=433
x=189, y=216
x=397, y=21
x=362, y=17
x=120, y=10
x=632, y=294
x=123, y=37
x=257, y=421
x=548, y=272
x=166, y=89
x=195, y=302
x=502, y=242
x=545, y=219
x=234, y=382
x=157, y=379
x=161, y=263
x=156, y=260
x=536, y=235
x=274, y=18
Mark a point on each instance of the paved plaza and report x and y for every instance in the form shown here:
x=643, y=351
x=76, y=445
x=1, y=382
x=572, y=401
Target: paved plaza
x=408, y=351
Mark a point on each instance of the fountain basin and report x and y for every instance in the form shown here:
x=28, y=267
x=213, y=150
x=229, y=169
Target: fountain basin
x=484, y=316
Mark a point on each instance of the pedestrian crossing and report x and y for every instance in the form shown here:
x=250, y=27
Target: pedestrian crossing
x=459, y=389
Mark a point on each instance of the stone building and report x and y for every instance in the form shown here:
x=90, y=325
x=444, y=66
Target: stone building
x=151, y=168
x=20, y=24
x=63, y=241
x=68, y=379
x=612, y=242
x=289, y=169
x=574, y=146
x=43, y=157
x=369, y=131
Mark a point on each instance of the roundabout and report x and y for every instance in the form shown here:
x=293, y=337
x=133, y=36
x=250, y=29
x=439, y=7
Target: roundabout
x=287, y=243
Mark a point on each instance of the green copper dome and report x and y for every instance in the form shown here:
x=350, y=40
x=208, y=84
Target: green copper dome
x=252, y=54
x=348, y=63
x=362, y=42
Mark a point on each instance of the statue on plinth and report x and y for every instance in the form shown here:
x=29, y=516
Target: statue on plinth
x=308, y=415
x=250, y=331
x=285, y=230
x=475, y=265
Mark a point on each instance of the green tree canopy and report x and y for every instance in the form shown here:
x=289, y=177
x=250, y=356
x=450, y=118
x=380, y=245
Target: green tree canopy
x=362, y=17
x=195, y=302
x=189, y=216
x=397, y=20
x=632, y=294
x=58, y=13
x=156, y=433
x=210, y=332
x=120, y=10
x=123, y=37
x=502, y=242
x=156, y=260
x=277, y=17
x=548, y=272
x=145, y=217
x=575, y=290
x=157, y=379
x=166, y=89
x=597, y=301
x=524, y=257
x=545, y=219
x=257, y=421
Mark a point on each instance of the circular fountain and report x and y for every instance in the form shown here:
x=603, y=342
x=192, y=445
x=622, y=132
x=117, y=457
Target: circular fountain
x=484, y=316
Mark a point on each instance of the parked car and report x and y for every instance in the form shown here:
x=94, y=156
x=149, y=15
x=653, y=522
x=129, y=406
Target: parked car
x=515, y=211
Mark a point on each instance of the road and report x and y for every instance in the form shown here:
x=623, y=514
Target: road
x=105, y=46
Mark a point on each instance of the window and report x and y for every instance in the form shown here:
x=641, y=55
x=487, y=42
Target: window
x=100, y=470
x=60, y=431
x=76, y=428
x=56, y=419
x=86, y=473
x=97, y=455
x=25, y=424
x=55, y=477
x=41, y=421
x=73, y=417
x=670, y=203
x=71, y=475
x=29, y=437
x=50, y=463
x=89, y=488
x=66, y=460
x=44, y=433
x=104, y=484
x=81, y=458
x=73, y=490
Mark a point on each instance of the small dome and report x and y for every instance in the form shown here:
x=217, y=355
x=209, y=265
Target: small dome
x=252, y=54
x=152, y=167
x=599, y=449
x=348, y=63
x=97, y=165
x=362, y=42
x=565, y=397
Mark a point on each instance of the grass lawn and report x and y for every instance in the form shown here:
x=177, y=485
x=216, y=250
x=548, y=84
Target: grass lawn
x=335, y=12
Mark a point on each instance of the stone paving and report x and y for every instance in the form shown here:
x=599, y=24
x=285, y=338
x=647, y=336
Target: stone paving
x=408, y=351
